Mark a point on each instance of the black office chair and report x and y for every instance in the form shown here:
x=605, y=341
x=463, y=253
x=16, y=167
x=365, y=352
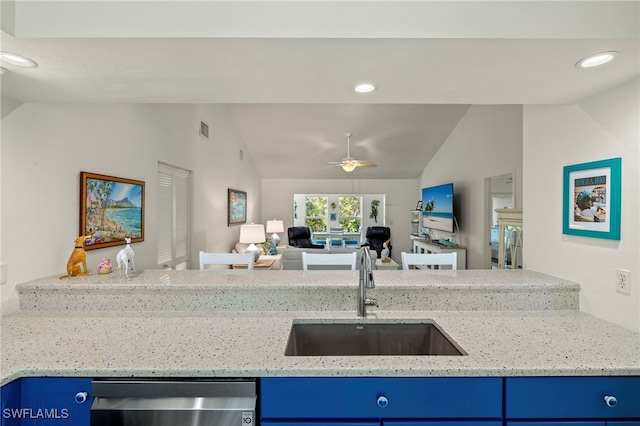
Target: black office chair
x=375, y=237
x=300, y=236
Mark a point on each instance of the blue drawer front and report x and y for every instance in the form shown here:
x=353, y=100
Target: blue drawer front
x=445, y=423
x=572, y=423
x=571, y=397
x=566, y=423
x=316, y=423
x=52, y=401
x=10, y=397
x=357, y=398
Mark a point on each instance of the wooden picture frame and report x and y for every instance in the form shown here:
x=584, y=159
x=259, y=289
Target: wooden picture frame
x=111, y=209
x=236, y=207
x=592, y=199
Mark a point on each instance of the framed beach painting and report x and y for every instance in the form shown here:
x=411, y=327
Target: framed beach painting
x=592, y=199
x=111, y=209
x=236, y=207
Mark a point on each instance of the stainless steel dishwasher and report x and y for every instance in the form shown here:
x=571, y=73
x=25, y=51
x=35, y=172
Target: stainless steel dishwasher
x=177, y=402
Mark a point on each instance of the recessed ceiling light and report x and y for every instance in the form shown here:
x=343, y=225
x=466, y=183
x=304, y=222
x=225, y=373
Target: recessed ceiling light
x=596, y=60
x=365, y=88
x=17, y=60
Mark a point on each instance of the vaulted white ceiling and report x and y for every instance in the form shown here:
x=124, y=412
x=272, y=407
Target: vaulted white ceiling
x=287, y=69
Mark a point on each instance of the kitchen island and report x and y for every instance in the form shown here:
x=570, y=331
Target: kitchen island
x=236, y=324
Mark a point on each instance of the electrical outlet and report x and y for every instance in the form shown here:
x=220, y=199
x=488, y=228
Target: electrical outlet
x=623, y=281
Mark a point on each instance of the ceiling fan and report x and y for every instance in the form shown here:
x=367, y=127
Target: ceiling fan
x=349, y=163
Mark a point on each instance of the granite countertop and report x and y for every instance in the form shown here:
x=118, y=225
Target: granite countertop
x=259, y=290
x=211, y=342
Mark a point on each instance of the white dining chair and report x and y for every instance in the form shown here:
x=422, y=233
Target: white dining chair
x=226, y=259
x=429, y=260
x=329, y=260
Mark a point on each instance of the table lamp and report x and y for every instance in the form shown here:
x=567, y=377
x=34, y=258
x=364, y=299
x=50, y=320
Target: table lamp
x=275, y=226
x=252, y=234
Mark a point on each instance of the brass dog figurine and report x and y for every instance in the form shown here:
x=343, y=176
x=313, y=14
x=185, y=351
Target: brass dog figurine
x=78, y=256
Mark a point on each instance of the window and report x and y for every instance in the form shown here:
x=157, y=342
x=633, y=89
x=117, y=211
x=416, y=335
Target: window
x=350, y=216
x=321, y=211
x=174, y=217
x=316, y=213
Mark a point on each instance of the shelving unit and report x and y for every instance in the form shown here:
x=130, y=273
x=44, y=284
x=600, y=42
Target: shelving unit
x=414, y=223
x=428, y=246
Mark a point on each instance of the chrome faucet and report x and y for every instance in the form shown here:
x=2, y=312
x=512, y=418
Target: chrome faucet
x=366, y=281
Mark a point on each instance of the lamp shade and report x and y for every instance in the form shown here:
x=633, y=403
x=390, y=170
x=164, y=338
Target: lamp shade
x=253, y=233
x=275, y=226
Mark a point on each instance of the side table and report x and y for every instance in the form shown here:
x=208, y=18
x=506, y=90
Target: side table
x=388, y=265
x=272, y=262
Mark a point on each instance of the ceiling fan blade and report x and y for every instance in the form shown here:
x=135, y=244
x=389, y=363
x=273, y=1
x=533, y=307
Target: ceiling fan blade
x=362, y=163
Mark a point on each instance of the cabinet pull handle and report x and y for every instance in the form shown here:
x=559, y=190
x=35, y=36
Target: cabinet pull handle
x=382, y=401
x=81, y=397
x=611, y=401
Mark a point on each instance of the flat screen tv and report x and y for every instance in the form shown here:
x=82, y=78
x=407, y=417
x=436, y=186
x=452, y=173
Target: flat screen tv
x=437, y=207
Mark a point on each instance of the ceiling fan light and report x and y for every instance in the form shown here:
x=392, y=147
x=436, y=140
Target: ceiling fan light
x=348, y=167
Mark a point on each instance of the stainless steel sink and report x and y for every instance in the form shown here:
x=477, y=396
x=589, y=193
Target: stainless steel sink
x=359, y=339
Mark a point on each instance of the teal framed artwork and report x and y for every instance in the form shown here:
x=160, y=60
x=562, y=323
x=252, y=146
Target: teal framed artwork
x=592, y=198
x=236, y=207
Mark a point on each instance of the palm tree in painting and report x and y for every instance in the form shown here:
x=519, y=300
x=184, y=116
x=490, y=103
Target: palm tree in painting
x=430, y=206
x=103, y=190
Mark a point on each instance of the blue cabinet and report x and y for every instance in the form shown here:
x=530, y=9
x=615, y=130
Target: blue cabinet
x=455, y=401
x=465, y=401
x=37, y=401
x=372, y=401
x=572, y=423
x=10, y=399
x=572, y=401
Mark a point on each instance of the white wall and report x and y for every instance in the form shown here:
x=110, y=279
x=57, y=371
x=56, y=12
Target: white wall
x=486, y=142
x=45, y=146
x=401, y=197
x=601, y=127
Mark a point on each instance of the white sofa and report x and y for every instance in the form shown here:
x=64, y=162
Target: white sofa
x=292, y=257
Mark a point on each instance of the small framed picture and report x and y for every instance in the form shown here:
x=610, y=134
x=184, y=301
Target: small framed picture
x=592, y=199
x=236, y=207
x=333, y=217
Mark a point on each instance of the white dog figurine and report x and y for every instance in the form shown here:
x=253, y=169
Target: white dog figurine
x=124, y=257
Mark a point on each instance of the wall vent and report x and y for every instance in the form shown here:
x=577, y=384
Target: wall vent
x=241, y=154
x=204, y=130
